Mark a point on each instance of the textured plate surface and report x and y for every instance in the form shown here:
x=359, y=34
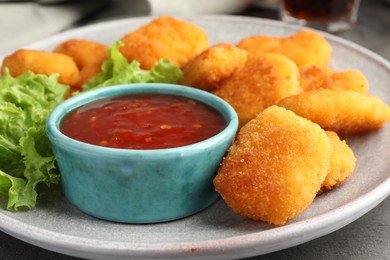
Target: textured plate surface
x=216, y=233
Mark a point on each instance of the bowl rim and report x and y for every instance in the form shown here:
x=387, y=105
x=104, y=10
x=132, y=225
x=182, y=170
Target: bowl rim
x=59, y=112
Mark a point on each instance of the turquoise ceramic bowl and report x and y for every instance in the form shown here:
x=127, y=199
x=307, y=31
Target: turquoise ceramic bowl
x=140, y=186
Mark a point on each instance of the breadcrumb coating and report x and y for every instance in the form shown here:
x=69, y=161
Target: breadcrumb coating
x=84, y=52
x=42, y=62
x=275, y=168
x=345, y=112
x=342, y=162
x=164, y=37
x=316, y=77
x=217, y=63
x=88, y=56
x=306, y=47
x=261, y=83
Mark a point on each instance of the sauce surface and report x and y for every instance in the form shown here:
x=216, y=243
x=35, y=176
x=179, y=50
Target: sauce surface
x=143, y=121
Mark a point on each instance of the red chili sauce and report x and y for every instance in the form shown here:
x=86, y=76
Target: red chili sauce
x=143, y=121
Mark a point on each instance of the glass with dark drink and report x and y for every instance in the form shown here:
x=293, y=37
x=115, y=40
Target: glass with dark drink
x=330, y=15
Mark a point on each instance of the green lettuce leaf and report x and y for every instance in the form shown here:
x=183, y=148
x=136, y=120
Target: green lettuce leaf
x=116, y=70
x=26, y=159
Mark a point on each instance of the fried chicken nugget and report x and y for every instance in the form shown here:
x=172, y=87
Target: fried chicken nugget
x=164, y=37
x=306, y=48
x=86, y=74
x=88, y=55
x=261, y=83
x=319, y=77
x=84, y=52
x=275, y=168
x=342, y=111
x=342, y=162
x=42, y=62
x=213, y=65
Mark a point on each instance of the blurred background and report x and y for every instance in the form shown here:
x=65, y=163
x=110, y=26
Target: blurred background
x=23, y=22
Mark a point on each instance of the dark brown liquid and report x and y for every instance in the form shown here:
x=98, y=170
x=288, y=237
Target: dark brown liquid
x=318, y=9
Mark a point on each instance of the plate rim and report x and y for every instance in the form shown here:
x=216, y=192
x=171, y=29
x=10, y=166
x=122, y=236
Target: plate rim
x=210, y=249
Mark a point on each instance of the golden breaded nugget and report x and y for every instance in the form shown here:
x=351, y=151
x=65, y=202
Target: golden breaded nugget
x=86, y=74
x=261, y=83
x=275, y=168
x=84, y=52
x=164, y=37
x=342, y=111
x=42, y=62
x=306, y=48
x=88, y=55
x=316, y=77
x=342, y=162
x=213, y=65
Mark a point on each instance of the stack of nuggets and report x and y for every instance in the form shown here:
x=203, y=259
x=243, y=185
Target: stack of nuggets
x=292, y=106
x=268, y=173
x=78, y=60
x=275, y=168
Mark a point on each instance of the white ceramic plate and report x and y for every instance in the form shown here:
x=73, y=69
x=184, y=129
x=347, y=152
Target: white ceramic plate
x=216, y=233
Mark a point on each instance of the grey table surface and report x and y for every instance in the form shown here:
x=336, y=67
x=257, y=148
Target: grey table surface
x=366, y=238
